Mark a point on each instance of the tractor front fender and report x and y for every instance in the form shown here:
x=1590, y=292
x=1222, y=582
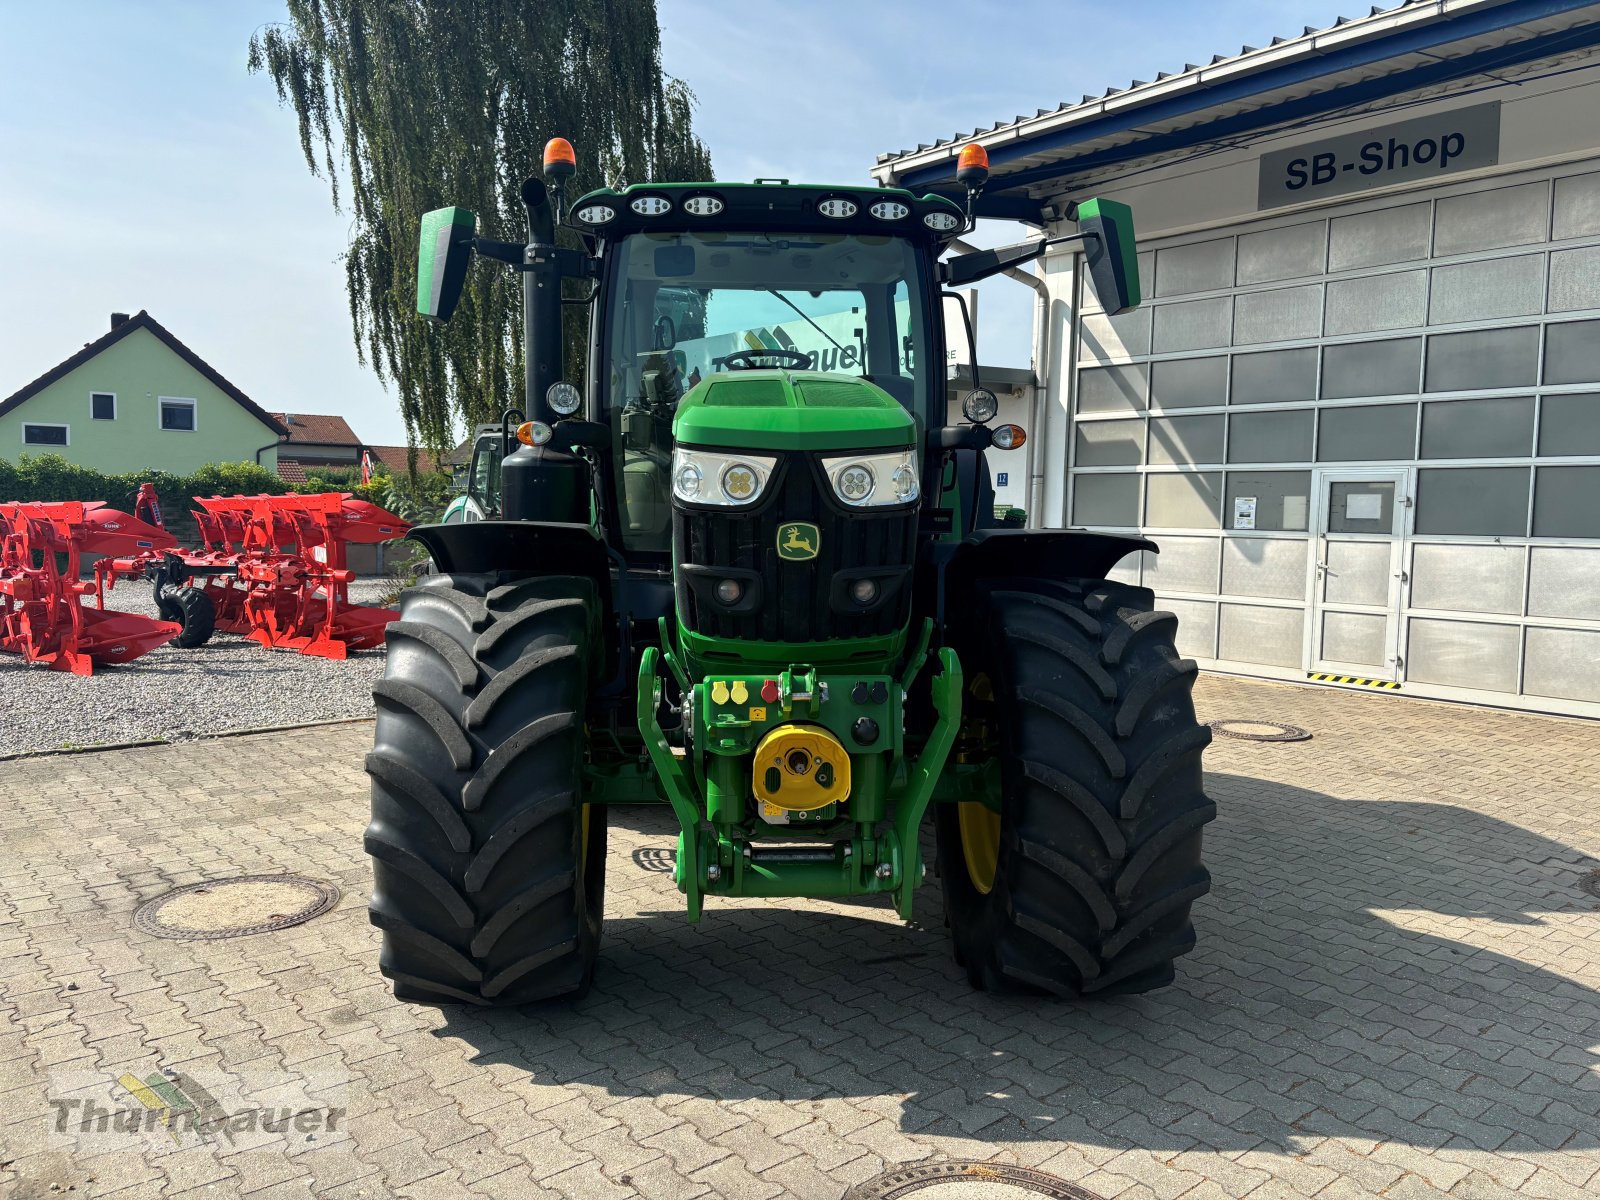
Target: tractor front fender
x=1040, y=553
x=538, y=547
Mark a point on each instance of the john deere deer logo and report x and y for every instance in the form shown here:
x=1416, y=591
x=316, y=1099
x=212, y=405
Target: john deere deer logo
x=798, y=541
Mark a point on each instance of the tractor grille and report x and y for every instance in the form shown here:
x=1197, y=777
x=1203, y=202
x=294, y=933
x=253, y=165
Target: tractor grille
x=799, y=601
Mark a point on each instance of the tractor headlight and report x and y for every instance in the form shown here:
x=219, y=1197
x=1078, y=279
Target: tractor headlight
x=729, y=480
x=874, y=480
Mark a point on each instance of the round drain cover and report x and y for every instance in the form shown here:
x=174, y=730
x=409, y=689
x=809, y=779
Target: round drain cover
x=1252, y=730
x=967, y=1181
x=225, y=908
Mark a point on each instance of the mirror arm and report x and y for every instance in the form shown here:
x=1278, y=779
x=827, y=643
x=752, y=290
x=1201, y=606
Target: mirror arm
x=981, y=264
x=506, y=252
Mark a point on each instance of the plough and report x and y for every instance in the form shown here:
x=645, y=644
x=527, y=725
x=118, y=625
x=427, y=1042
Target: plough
x=42, y=614
x=290, y=588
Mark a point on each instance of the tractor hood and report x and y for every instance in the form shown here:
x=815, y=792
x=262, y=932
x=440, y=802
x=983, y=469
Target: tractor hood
x=792, y=410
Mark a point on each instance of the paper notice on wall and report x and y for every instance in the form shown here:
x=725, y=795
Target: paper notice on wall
x=1244, y=512
x=1363, y=506
x=1294, y=512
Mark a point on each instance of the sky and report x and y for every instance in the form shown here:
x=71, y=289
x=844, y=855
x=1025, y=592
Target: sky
x=141, y=166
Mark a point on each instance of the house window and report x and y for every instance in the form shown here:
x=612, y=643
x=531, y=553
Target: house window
x=103, y=406
x=45, y=435
x=177, y=414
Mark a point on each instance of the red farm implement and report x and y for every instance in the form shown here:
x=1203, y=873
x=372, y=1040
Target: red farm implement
x=273, y=568
x=42, y=614
x=291, y=588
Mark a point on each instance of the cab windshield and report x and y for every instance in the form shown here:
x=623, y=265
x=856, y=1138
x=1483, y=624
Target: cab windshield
x=690, y=305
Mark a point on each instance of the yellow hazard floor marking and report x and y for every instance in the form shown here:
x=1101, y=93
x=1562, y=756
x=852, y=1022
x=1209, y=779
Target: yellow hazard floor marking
x=1387, y=684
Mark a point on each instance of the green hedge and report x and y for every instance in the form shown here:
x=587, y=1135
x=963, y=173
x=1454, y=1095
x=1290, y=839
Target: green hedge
x=52, y=477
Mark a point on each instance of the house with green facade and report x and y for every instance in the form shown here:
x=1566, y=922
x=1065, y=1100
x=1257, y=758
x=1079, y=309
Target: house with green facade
x=138, y=399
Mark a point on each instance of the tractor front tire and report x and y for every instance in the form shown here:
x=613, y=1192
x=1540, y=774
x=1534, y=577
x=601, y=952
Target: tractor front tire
x=488, y=867
x=1078, y=877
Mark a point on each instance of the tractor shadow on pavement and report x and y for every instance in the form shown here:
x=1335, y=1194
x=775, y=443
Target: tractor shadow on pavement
x=1325, y=999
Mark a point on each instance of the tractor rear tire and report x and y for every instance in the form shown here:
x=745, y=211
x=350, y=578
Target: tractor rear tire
x=1082, y=885
x=488, y=867
x=191, y=608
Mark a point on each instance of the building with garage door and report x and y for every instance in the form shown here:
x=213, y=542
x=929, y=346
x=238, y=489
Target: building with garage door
x=1359, y=408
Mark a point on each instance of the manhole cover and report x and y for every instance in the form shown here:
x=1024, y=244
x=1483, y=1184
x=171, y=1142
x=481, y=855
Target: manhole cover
x=967, y=1181
x=225, y=908
x=655, y=858
x=1251, y=730
x=1591, y=883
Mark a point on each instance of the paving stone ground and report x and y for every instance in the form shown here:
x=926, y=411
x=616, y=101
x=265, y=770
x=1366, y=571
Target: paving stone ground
x=1396, y=993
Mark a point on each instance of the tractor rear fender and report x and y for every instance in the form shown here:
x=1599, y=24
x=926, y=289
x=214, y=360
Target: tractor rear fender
x=1040, y=553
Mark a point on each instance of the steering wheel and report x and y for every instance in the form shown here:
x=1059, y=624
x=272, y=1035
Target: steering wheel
x=743, y=358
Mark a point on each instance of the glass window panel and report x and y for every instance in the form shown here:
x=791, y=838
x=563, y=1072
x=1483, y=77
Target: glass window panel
x=1572, y=352
x=1575, y=279
x=1193, y=325
x=1185, y=564
x=1185, y=440
x=1373, y=302
x=1561, y=663
x=1577, y=206
x=1283, y=498
x=1106, y=500
x=1499, y=427
x=44, y=435
x=1254, y=633
x=1482, y=358
x=1281, y=315
x=1482, y=291
x=1463, y=654
x=1286, y=253
x=1110, y=443
x=1275, y=376
x=1569, y=424
x=1387, y=368
x=1368, y=432
x=1199, y=267
x=1566, y=502
x=1107, y=338
x=1477, y=501
x=1112, y=389
x=1270, y=436
x=1183, y=501
x=1508, y=216
x=103, y=406
x=1264, y=566
x=1189, y=382
x=1343, y=516
x=1373, y=239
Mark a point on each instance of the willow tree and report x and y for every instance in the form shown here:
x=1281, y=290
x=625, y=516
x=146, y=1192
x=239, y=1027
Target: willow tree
x=408, y=105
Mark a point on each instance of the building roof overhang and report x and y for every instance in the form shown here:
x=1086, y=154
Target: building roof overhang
x=1354, y=64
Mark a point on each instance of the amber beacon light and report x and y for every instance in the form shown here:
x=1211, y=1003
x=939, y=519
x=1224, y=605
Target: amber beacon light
x=560, y=161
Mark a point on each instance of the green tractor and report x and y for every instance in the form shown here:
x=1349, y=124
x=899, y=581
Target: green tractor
x=755, y=574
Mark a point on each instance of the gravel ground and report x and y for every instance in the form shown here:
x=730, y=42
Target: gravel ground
x=229, y=683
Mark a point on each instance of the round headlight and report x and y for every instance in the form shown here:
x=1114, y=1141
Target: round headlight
x=855, y=483
x=980, y=406
x=864, y=591
x=729, y=591
x=905, y=483
x=740, y=482
x=688, y=480
x=563, y=398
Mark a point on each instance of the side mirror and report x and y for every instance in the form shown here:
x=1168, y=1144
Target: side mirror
x=1111, y=252
x=444, y=248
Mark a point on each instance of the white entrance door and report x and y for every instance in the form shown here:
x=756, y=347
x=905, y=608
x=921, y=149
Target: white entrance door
x=1357, y=574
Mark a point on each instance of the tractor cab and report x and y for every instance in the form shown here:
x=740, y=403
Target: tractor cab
x=481, y=499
